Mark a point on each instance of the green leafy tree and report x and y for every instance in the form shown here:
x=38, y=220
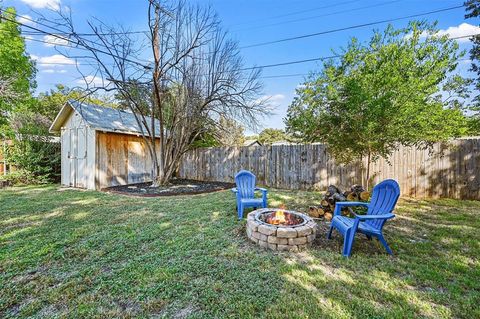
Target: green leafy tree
x=381, y=94
x=17, y=70
x=49, y=103
x=271, y=135
x=473, y=11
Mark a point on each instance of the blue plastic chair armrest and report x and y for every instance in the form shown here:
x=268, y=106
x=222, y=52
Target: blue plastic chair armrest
x=351, y=204
x=234, y=190
x=260, y=189
x=370, y=217
x=339, y=205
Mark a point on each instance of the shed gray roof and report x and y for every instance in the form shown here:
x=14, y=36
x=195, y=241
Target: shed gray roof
x=101, y=118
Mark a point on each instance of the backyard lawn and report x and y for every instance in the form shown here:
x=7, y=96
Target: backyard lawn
x=68, y=253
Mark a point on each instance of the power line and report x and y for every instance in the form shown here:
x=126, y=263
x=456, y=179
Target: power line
x=75, y=42
x=326, y=57
x=349, y=28
x=299, y=12
x=319, y=16
x=290, y=62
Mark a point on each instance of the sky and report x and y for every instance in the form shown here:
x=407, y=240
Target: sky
x=252, y=22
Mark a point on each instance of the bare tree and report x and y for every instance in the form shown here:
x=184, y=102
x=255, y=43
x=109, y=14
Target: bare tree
x=194, y=76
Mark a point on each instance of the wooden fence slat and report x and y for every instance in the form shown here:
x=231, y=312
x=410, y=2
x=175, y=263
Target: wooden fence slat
x=446, y=170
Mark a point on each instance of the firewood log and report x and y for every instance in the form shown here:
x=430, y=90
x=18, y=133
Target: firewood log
x=326, y=209
x=320, y=211
x=352, y=197
x=357, y=189
x=313, y=211
x=339, y=197
x=324, y=203
x=332, y=189
x=328, y=216
x=365, y=195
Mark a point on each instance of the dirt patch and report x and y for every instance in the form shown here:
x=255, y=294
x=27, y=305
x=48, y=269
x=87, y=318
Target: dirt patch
x=176, y=187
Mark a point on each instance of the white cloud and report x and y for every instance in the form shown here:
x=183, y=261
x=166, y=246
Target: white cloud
x=93, y=81
x=51, y=40
x=53, y=71
x=25, y=19
x=41, y=4
x=53, y=60
x=274, y=100
x=462, y=30
x=28, y=38
x=271, y=101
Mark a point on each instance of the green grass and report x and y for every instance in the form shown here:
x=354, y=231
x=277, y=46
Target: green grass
x=67, y=253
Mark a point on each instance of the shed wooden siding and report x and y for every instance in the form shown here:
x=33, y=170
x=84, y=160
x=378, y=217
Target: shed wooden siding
x=122, y=159
x=451, y=170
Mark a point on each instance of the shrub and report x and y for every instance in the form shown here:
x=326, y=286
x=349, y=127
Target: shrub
x=33, y=153
x=20, y=177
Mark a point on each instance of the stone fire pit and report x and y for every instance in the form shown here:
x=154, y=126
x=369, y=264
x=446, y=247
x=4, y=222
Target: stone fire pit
x=279, y=229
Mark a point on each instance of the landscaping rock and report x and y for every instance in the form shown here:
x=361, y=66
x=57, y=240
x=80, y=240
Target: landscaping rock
x=286, y=232
x=277, y=240
x=303, y=230
x=259, y=236
x=252, y=225
x=297, y=241
x=272, y=246
x=311, y=238
x=267, y=230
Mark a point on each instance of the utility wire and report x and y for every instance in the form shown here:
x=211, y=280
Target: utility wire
x=298, y=12
x=325, y=57
x=349, y=27
x=76, y=42
x=317, y=16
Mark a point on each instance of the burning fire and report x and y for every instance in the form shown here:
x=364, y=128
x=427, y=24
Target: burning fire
x=280, y=217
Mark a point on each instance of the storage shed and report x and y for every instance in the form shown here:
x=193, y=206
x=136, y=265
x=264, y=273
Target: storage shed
x=101, y=146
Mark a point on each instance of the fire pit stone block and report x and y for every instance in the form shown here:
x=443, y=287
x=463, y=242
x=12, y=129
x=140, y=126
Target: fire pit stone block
x=252, y=225
x=297, y=241
x=304, y=230
x=259, y=236
x=286, y=232
x=272, y=246
x=277, y=240
x=267, y=230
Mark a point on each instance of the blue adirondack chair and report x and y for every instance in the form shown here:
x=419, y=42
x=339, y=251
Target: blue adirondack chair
x=245, y=192
x=384, y=198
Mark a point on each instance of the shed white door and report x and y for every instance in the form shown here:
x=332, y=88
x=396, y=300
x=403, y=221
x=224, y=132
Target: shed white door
x=66, y=160
x=74, y=170
x=80, y=157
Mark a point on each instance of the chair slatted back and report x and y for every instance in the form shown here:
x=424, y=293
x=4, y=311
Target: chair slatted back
x=384, y=198
x=245, y=181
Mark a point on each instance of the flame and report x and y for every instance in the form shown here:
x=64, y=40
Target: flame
x=279, y=217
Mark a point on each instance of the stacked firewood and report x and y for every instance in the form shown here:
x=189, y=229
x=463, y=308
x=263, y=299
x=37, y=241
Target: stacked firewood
x=333, y=194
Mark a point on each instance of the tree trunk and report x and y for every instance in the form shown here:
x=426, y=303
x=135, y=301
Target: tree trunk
x=367, y=181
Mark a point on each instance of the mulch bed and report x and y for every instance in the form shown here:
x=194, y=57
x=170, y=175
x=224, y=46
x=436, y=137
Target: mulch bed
x=176, y=187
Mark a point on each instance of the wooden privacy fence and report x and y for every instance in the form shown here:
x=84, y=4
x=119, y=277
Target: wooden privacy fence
x=447, y=170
